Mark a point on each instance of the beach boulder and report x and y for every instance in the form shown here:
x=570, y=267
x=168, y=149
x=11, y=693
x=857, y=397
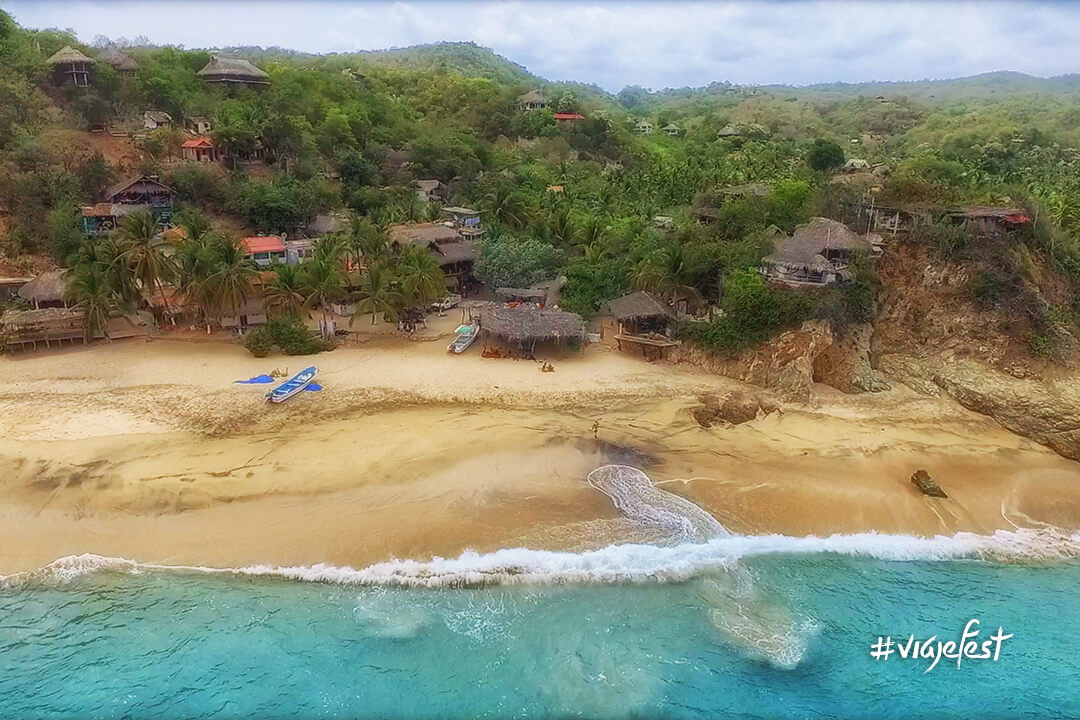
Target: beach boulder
x=922, y=480
x=735, y=407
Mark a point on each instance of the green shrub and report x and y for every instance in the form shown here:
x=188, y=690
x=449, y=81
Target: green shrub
x=258, y=342
x=289, y=334
x=1042, y=346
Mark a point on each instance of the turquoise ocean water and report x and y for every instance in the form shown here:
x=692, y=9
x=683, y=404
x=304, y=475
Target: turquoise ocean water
x=737, y=627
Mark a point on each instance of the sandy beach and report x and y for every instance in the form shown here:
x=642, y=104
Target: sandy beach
x=149, y=451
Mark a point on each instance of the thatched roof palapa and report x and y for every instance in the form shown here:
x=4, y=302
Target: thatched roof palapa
x=524, y=294
x=638, y=306
x=806, y=245
x=67, y=55
x=422, y=234
x=528, y=323
x=47, y=287
x=238, y=69
x=33, y=319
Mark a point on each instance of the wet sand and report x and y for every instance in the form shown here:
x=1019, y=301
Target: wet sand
x=148, y=451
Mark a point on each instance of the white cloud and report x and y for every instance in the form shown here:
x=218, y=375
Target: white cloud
x=615, y=44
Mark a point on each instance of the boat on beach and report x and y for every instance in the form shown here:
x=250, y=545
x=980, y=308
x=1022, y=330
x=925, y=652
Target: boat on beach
x=297, y=383
x=466, y=336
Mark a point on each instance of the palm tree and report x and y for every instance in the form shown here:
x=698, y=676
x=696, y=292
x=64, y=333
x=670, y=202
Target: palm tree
x=506, y=206
x=377, y=294
x=231, y=276
x=284, y=292
x=324, y=281
x=563, y=231
x=422, y=280
x=142, y=251
x=88, y=289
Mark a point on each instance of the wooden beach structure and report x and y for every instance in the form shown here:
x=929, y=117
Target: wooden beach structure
x=47, y=325
x=644, y=321
x=46, y=290
x=524, y=326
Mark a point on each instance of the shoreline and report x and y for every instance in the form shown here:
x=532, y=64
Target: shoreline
x=148, y=451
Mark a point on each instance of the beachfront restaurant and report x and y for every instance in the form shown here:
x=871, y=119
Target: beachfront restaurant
x=525, y=326
x=639, y=320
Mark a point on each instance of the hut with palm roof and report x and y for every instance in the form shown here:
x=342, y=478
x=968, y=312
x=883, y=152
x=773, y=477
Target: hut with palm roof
x=817, y=254
x=71, y=67
x=232, y=72
x=524, y=326
x=46, y=290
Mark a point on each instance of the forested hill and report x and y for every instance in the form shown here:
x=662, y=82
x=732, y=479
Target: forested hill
x=573, y=188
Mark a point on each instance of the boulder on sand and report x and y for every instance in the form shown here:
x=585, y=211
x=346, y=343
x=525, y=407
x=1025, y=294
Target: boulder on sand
x=922, y=480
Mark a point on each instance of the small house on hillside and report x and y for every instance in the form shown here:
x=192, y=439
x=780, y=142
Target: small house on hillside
x=200, y=149
x=71, y=67
x=672, y=130
x=431, y=190
x=233, y=71
x=199, y=125
x=465, y=221
x=264, y=250
x=153, y=119
x=46, y=290
x=988, y=221
x=122, y=63
x=532, y=100
x=856, y=165
x=819, y=253
x=141, y=193
x=455, y=254
x=729, y=131
x=643, y=127
x=568, y=118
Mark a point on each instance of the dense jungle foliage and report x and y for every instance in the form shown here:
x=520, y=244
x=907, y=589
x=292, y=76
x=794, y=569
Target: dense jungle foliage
x=352, y=132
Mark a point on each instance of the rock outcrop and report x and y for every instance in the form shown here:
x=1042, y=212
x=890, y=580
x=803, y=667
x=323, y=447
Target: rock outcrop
x=922, y=480
x=1047, y=411
x=793, y=361
x=735, y=407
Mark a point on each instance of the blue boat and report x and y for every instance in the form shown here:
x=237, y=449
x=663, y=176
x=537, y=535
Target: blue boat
x=293, y=385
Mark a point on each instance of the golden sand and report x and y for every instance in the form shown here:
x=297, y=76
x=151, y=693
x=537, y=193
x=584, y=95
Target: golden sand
x=149, y=451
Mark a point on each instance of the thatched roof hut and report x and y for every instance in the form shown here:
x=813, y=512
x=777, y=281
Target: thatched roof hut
x=639, y=306
x=509, y=294
x=818, y=253
x=230, y=71
x=528, y=324
x=46, y=289
x=68, y=55
x=48, y=325
x=121, y=62
x=423, y=234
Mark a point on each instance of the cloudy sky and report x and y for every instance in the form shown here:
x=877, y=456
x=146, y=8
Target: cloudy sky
x=612, y=44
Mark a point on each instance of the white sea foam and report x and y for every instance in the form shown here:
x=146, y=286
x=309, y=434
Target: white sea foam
x=619, y=563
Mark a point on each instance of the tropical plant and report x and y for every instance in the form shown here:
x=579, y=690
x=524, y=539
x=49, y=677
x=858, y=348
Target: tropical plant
x=377, y=294
x=89, y=289
x=324, y=281
x=231, y=278
x=142, y=250
x=419, y=276
x=284, y=292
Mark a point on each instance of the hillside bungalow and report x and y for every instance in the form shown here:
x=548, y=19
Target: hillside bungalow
x=46, y=290
x=456, y=255
x=264, y=249
x=153, y=119
x=729, y=131
x=326, y=224
x=816, y=255
x=431, y=191
x=526, y=325
x=465, y=221
x=71, y=67
x=199, y=126
x=989, y=221
x=532, y=100
x=643, y=127
x=568, y=118
x=142, y=193
x=200, y=149
x=250, y=312
x=233, y=72
x=672, y=130
x=122, y=63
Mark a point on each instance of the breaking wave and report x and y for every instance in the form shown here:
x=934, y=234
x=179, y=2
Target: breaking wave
x=615, y=563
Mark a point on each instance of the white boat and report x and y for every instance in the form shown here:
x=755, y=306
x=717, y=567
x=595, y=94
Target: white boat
x=297, y=383
x=466, y=336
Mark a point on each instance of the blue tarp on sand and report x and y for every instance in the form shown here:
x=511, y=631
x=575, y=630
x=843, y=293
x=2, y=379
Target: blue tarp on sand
x=257, y=380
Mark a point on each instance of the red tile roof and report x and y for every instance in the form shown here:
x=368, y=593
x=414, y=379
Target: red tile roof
x=199, y=142
x=569, y=116
x=264, y=244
